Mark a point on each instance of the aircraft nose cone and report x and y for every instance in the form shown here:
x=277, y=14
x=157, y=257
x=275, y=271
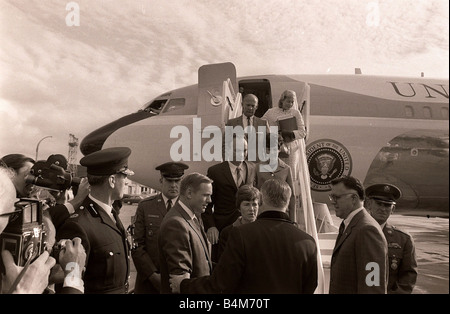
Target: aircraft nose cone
x=95, y=140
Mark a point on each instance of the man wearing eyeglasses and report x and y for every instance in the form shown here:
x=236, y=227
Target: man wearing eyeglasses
x=380, y=202
x=98, y=225
x=359, y=260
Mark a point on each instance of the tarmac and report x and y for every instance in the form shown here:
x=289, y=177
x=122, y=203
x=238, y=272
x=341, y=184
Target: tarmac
x=431, y=236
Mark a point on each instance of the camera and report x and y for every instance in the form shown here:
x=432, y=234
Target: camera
x=24, y=236
x=51, y=175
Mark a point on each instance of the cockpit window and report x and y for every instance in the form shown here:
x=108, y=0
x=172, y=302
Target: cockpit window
x=174, y=104
x=155, y=106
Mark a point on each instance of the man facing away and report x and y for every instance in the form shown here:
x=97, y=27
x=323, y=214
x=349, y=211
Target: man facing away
x=183, y=246
x=149, y=215
x=359, y=260
x=380, y=202
x=270, y=255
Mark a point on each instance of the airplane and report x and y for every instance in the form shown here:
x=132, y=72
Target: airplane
x=379, y=129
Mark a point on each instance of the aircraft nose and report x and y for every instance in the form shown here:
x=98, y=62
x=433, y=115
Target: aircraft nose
x=94, y=141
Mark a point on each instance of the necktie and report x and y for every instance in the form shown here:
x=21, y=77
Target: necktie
x=118, y=222
x=113, y=217
x=169, y=204
x=248, y=121
x=341, y=231
x=238, y=176
x=197, y=222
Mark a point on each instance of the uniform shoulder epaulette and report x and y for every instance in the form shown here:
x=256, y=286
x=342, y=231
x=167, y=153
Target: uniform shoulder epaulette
x=150, y=198
x=400, y=230
x=90, y=209
x=78, y=212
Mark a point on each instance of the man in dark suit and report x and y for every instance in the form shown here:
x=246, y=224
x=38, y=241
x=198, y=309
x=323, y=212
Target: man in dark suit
x=97, y=224
x=227, y=177
x=182, y=243
x=380, y=202
x=147, y=221
x=248, y=119
x=359, y=260
x=270, y=255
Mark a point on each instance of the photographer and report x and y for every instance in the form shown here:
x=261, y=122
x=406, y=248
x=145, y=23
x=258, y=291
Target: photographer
x=61, y=210
x=21, y=165
x=34, y=277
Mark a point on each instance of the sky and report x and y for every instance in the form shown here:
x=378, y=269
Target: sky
x=69, y=67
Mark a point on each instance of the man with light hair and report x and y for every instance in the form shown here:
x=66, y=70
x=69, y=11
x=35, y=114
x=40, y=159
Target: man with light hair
x=183, y=246
x=270, y=255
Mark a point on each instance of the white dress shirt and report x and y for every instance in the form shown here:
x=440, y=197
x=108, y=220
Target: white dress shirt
x=107, y=208
x=350, y=216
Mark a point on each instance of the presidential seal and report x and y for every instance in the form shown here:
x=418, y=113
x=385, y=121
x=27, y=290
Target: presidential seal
x=327, y=160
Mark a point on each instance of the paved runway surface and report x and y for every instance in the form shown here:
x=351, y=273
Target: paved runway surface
x=432, y=247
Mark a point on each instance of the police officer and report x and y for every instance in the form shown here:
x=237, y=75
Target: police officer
x=149, y=215
x=381, y=200
x=98, y=224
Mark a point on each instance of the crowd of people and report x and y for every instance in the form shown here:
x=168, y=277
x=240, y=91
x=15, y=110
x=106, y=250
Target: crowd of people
x=236, y=229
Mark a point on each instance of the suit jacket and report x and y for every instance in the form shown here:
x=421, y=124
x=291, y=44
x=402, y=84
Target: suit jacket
x=149, y=216
x=183, y=247
x=224, y=195
x=257, y=122
x=402, y=260
x=362, y=243
x=270, y=255
x=107, y=249
x=283, y=173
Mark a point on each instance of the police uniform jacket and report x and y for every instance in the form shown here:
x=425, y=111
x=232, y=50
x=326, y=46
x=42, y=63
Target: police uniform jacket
x=362, y=243
x=183, y=247
x=402, y=260
x=269, y=255
x=149, y=216
x=224, y=195
x=107, y=259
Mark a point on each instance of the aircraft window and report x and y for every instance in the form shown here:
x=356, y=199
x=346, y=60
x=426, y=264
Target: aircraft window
x=156, y=105
x=427, y=112
x=409, y=111
x=174, y=104
x=444, y=112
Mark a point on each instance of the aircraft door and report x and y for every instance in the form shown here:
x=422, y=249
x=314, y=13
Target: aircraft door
x=216, y=99
x=261, y=89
